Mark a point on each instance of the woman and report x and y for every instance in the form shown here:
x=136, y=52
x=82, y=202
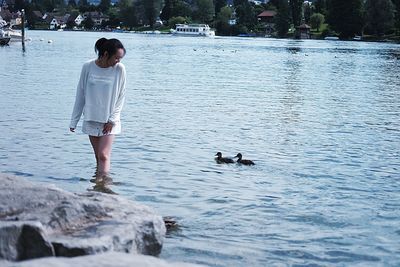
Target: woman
x=100, y=96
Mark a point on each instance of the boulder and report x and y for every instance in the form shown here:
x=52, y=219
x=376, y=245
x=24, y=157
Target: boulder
x=109, y=259
x=70, y=224
x=23, y=240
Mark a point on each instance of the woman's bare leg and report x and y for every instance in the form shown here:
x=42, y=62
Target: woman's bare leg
x=104, y=154
x=95, y=140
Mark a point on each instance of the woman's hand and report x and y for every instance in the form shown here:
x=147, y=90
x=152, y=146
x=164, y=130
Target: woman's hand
x=107, y=127
x=72, y=129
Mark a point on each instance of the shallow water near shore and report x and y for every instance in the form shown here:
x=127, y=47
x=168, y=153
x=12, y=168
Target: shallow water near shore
x=320, y=119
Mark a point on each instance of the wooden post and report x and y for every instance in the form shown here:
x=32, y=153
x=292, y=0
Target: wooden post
x=23, y=29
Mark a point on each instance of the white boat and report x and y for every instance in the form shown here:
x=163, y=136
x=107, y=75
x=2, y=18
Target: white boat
x=193, y=30
x=16, y=36
x=332, y=38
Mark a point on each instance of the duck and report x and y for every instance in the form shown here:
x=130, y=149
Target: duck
x=219, y=159
x=243, y=161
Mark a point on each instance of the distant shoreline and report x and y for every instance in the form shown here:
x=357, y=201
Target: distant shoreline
x=395, y=40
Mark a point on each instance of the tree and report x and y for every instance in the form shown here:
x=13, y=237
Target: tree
x=345, y=17
x=175, y=8
x=205, y=10
x=128, y=13
x=245, y=15
x=151, y=10
x=282, y=18
x=296, y=8
x=218, y=4
x=104, y=5
x=379, y=16
x=88, y=23
x=308, y=11
x=316, y=20
x=166, y=10
x=397, y=15
x=176, y=20
x=222, y=21
x=320, y=7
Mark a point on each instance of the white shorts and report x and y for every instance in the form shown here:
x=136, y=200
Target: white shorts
x=95, y=128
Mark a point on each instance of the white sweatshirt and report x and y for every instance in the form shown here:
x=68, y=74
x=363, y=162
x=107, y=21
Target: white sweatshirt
x=100, y=94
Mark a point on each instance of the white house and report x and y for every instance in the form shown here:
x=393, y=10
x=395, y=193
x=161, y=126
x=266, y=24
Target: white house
x=78, y=20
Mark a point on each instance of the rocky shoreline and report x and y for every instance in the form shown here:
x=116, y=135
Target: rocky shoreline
x=40, y=220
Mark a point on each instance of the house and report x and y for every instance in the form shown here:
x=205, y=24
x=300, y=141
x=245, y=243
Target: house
x=78, y=20
x=97, y=17
x=267, y=16
x=232, y=22
x=303, y=32
x=59, y=22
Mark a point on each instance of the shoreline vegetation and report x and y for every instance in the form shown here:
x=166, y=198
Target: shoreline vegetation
x=144, y=30
x=357, y=20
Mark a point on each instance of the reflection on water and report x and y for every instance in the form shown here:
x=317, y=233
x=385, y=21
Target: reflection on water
x=102, y=183
x=321, y=119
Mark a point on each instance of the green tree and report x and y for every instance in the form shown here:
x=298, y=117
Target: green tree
x=166, y=10
x=282, y=18
x=219, y=4
x=316, y=20
x=151, y=10
x=128, y=13
x=222, y=21
x=308, y=11
x=397, y=15
x=296, y=7
x=71, y=3
x=320, y=7
x=205, y=10
x=88, y=23
x=245, y=15
x=71, y=24
x=176, y=20
x=104, y=5
x=379, y=16
x=345, y=17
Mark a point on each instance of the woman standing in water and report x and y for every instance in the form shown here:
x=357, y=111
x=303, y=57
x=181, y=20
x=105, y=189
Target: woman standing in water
x=100, y=96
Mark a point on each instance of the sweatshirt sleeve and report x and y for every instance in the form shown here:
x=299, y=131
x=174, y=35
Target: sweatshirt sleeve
x=116, y=114
x=79, y=99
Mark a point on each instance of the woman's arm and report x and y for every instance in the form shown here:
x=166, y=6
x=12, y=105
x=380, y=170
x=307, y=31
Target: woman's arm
x=79, y=100
x=116, y=114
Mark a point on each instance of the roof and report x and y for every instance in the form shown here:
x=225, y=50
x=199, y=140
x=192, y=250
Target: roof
x=303, y=26
x=267, y=13
x=37, y=13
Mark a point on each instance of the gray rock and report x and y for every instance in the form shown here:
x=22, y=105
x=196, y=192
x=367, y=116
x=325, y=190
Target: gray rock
x=109, y=259
x=81, y=224
x=23, y=240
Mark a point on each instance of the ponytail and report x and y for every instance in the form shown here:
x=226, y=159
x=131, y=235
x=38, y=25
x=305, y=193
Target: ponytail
x=108, y=45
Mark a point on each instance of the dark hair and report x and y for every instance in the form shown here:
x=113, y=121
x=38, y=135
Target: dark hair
x=108, y=45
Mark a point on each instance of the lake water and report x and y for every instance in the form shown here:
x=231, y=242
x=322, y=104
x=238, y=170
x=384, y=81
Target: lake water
x=321, y=120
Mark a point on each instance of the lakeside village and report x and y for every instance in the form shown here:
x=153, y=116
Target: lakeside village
x=371, y=20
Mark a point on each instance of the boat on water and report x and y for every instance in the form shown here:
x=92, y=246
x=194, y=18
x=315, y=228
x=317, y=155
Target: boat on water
x=331, y=38
x=193, y=30
x=16, y=36
x=4, y=39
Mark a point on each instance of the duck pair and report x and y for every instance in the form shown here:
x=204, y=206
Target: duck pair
x=219, y=159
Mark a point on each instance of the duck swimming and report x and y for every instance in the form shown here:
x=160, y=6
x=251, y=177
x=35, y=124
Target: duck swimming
x=243, y=161
x=219, y=159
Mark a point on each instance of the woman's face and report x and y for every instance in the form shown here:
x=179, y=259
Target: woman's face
x=116, y=58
